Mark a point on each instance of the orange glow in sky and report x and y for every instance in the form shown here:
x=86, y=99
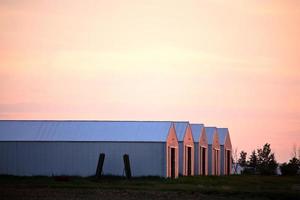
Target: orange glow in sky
x=232, y=64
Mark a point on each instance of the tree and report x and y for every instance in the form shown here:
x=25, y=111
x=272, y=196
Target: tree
x=235, y=161
x=294, y=153
x=266, y=162
x=243, y=159
x=253, y=161
x=293, y=166
x=290, y=168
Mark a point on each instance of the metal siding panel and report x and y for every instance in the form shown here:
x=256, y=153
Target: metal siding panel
x=164, y=160
x=148, y=162
x=180, y=145
x=8, y=163
x=81, y=158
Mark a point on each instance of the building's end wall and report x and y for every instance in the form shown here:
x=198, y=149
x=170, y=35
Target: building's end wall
x=172, y=142
x=228, y=147
x=216, y=146
x=188, y=141
x=203, y=142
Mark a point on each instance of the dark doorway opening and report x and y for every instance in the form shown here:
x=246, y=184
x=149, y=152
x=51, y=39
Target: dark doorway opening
x=203, y=161
x=189, y=161
x=172, y=162
x=100, y=165
x=127, y=166
x=217, y=162
x=228, y=162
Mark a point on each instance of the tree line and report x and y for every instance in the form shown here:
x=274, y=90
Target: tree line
x=262, y=161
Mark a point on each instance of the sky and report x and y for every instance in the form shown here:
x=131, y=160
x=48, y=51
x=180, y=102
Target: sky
x=232, y=64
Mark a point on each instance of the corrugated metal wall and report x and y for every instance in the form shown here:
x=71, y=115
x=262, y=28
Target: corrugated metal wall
x=181, y=162
x=81, y=158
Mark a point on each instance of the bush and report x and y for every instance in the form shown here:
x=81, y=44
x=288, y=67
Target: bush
x=248, y=170
x=291, y=168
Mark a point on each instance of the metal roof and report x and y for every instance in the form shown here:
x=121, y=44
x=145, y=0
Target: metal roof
x=223, y=133
x=197, y=131
x=210, y=131
x=37, y=130
x=180, y=129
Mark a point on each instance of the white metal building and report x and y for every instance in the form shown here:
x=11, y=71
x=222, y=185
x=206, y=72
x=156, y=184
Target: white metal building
x=226, y=151
x=201, y=149
x=72, y=148
x=213, y=151
x=186, y=148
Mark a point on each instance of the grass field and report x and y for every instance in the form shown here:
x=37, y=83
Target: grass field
x=227, y=187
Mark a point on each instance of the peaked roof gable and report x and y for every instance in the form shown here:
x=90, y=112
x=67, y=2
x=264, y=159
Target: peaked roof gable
x=210, y=133
x=223, y=134
x=180, y=128
x=197, y=131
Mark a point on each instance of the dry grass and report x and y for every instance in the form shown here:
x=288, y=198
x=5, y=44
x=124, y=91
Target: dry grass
x=230, y=187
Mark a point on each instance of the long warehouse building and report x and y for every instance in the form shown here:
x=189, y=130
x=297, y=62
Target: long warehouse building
x=82, y=148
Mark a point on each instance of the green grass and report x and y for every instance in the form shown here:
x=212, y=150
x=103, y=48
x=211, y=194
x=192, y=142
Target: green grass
x=256, y=187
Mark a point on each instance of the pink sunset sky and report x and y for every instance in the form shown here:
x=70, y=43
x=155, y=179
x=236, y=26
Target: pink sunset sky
x=232, y=64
